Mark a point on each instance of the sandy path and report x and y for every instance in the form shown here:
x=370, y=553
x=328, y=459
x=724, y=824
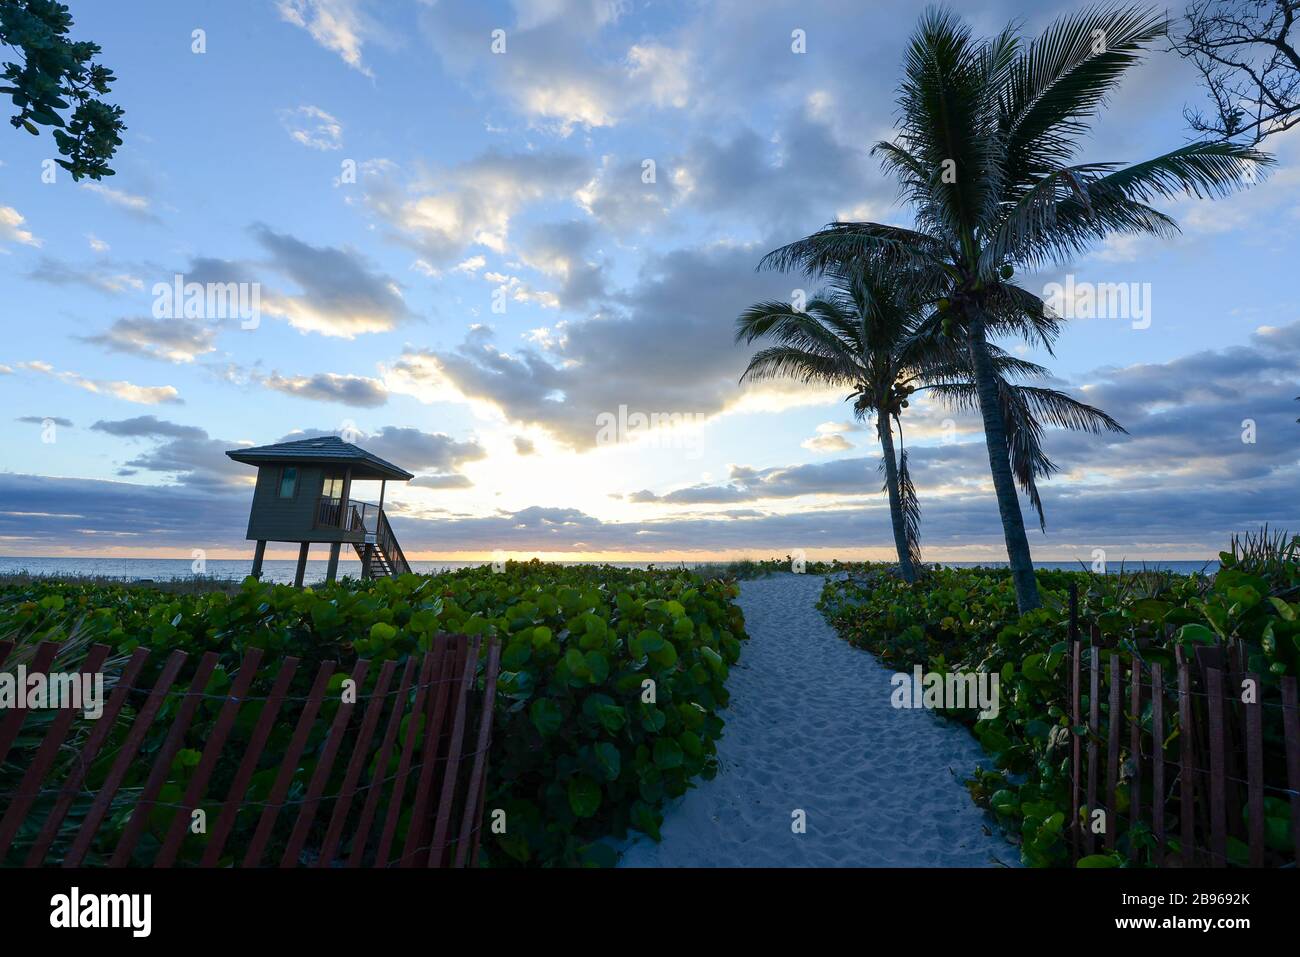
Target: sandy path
x=810, y=727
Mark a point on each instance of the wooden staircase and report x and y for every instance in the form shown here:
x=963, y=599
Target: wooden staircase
x=380, y=553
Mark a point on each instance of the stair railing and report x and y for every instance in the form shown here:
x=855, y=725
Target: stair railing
x=387, y=543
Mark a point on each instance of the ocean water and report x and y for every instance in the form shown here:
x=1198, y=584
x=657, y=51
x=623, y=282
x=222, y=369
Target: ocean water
x=281, y=570
x=180, y=569
x=1208, y=566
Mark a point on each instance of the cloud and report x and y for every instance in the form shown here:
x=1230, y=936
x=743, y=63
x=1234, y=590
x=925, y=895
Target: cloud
x=832, y=442
x=339, y=26
x=148, y=426
x=443, y=482
x=112, y=514
x=11, y=228
x=1212, y=449
x=663, y=71
x=787, y=183
x=443, y=212
x=184, y=452
x=172, y=340
x=619, y=198
x=102, y=277
x=409, y=448
x=334, y=290
x=665, y=348
x=856, y=476
x=313, y=127
x=524, y=446
x=563, y=66
x=1188, y=476
x=43, y=419
x=352, y=390
x=340, y=295
x=560, y=251
x=830, y=436
x=127, y=391
x=141, y=207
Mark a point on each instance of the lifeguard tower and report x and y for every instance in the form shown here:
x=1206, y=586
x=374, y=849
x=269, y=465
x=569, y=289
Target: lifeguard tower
x=303, y=495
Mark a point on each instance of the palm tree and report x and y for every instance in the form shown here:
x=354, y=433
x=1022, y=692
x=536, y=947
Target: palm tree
x=860, y=334
x=988, y=133
x=851, y=336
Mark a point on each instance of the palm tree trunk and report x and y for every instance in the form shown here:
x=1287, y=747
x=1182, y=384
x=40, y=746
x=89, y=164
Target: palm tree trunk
x=995, y=438
x=895, y=498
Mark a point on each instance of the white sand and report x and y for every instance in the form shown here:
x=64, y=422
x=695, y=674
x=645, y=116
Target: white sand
x=810, y=727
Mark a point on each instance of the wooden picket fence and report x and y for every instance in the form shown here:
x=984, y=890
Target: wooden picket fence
x=1195, y=757
x=434, y=793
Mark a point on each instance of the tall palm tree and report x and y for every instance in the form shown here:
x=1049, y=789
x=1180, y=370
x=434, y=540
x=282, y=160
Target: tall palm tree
x=860, y=334
x=988, y=134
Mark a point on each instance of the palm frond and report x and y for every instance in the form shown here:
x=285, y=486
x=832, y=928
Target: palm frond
x=840, y=244
x=788, y=362
x=911, y=507
x=1207, y=169
x=1061, y=80
x=1061, y=410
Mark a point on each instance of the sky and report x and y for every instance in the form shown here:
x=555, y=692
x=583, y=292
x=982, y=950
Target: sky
x=481, y=232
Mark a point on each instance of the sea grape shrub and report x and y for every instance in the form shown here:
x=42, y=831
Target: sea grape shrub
x=961, y=620
x=607, y=703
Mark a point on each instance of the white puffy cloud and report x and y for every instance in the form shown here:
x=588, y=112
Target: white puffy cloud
x=120, y=389
x=12, y=229
x=340, y=26
x=173, y=340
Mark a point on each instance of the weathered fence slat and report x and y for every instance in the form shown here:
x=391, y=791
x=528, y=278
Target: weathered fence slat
x=1234, y=730
x=1135, y=751
x=1187, y=786
x=1291, y=733
x=1112, y=748
x=1218, y=807
x=446, y=653
x=71, y=786
x=439, y=848
x=404, y=765
x=1255, y=770
x=361, y=748
x=162, y=764
x=125, y=758
x=198, y=785
x=381, y=766
x=1158, y=761
x=279, y=790
x=45, y=755
x=248, y=765
x=13, y=721
x=1076, y=719
x=1094, y=718
x=324, y=765
x=465, y=851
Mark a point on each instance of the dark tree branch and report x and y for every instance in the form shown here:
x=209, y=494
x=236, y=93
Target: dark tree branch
x=1249, y=65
